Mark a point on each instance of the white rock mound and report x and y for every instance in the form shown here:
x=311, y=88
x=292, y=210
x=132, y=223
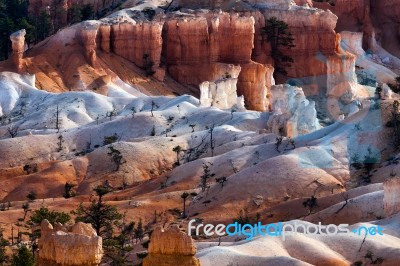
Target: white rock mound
x=291, y=112
x=222, y=93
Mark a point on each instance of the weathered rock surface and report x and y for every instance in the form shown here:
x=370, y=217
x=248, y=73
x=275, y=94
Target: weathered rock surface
x=140, y=43
x=391, y=199
x=87, y=36
x=194, y=46
x=171, y=247
x=69, y=245
x=368, y=64
x=222, y=93
x=378, y=21
x=18, y=48
x=292, y=112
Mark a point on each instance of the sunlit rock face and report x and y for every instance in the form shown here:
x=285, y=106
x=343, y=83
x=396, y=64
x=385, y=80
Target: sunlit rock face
x=64, y=245
x=140, y=42
x=171, y=247
x=221, y=93
x=341, y=78
x=391, y=199
x=314, y=40
x=292, y=114
x=18, y=48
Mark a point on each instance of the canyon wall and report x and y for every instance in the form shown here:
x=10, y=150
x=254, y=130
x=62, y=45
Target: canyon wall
x=379, y=21
x=195, y=46
x=315, y=42
x=69, y=245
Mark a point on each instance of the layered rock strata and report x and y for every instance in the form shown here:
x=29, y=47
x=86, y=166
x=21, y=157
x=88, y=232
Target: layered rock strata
x=194, y=46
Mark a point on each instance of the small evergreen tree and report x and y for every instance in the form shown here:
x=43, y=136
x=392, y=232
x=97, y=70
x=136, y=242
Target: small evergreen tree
x=100, y=215
x=205, y=177
x=53, y=217
x=177, y=150
x=87, y=12
x=139, y=231
x=32, y=196
x=23, y=257
x=184, y=197
x=75, y=14
x=277, y=33
x=68, y=192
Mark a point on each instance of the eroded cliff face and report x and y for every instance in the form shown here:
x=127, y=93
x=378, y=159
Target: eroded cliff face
x=69, y=245
x=379, y=21
x=171, y=247
x=195, y=46
x=140, y=43
x=314, y=39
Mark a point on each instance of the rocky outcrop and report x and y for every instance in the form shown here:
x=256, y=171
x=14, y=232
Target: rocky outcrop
x=254, y=84
x=222, y=93
x=341, y=77
x=391, y=199
x=291, y=112
x=18, y=48
x=69, y=245
x=171, y=247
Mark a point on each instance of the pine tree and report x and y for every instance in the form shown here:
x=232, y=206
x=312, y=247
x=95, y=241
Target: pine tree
x=102, y=216
x=139, y=231
x=278, y=35
x=23, y=257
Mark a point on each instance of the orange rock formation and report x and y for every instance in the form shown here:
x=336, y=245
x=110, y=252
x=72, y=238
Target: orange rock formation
x=171, y=247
